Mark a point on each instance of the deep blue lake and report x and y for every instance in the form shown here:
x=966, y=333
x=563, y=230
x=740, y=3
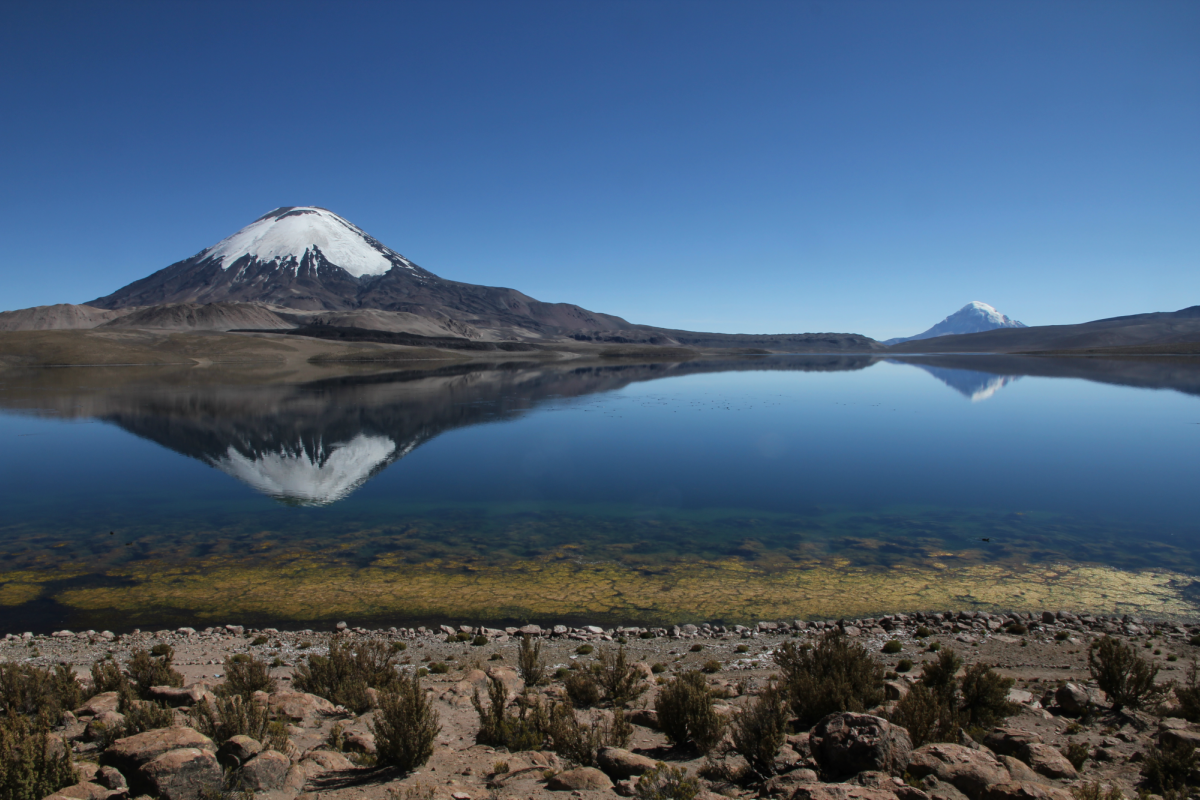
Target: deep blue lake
x=763, y=487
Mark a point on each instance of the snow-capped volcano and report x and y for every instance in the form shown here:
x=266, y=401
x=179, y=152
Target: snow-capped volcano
x=290, y=235
x=971, y=318
x=309, y=258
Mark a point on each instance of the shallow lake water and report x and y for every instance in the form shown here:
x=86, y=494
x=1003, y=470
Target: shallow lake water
x=735, y=489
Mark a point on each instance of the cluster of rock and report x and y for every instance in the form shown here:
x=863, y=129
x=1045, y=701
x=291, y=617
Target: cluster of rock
x=956, y=622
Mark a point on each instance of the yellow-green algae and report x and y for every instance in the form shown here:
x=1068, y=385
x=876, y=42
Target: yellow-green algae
x=303, y=587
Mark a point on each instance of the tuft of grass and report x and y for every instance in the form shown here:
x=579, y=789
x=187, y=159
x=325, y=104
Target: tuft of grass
x=667, y=783
x=584, y=649
x=529, y=661
x=892, y=647
x=711, y=666
x=923, y=632
x=904, y=665
x=479, y=641
x=399, y=647
x=259, y=640
x=438, y=668
x=658, y=668
x=696, y=648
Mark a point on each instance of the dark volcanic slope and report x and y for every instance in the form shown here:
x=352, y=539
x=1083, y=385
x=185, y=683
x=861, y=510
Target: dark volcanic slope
x=1162, y=328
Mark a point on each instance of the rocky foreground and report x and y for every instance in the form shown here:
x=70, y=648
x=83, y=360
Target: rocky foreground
x=328, y=749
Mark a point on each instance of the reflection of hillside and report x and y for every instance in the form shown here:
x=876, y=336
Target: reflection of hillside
x=971, y=384
x=314, y=443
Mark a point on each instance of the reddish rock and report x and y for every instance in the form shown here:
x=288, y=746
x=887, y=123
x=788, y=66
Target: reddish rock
x=1009, y=741
x=1048, y=761
x=969, y=771
x=185, y=774
x=133, y=751
x=581, y=779
x=1025, y=790
x=266, y=772
x=300, y=707
x=105, y=701
x=620, y=764
x=840, y=791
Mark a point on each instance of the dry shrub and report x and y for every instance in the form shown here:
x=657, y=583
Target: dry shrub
x=1189, y=694
x=1095, y=791
x=521, y=728
x=985, y=700
x=620, y=681
x=108, y=677
x=835, y=675
x=344, y=676
x=926, y=715
x=685, y=712
x=760, y=730
x=1122, y=674
x=667, y=783
x=245, y=677
x=1168, y=768
x=581, y=741
x=583, y=688
x=405, y=726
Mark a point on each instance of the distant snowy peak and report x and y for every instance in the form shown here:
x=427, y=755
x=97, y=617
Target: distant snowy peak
x=287, y=235
x=974, y=317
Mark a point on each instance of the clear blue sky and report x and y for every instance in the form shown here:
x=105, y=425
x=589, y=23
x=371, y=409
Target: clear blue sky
x=736, y=166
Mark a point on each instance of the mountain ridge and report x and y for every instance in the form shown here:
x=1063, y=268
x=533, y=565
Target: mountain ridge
x=974, y=317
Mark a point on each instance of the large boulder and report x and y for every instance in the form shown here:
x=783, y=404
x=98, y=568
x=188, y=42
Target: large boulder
x=105, y=701
x=1024, y=790
x=579, y=780
x=621, y=764
x=940, y=790
x=849, y=743
x=1046, y=760
x=1019, y=770
x=1009, y=741
x=237, y=751
x=1073, y=699
x=783, y=785
x=185, y=774
x=84, y=790
x=840, y=791
x=176, y=696
x=132, y=752
x=265, y=772
x=969, y=771
x=300, y=707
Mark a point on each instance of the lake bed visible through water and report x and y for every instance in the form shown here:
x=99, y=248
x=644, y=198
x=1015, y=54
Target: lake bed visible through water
x=732, y=490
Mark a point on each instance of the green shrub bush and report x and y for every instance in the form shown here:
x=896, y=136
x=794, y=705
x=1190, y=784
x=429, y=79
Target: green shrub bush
x=1122, y=674
x=438, y=668
x=892, y=647
x=107, y=676
x=405, y=726
x=658, y=668
x=985, y=696
x=479, y=641
x=32, y=765
x=835, y=675
x=344, y=676
x=760, y=730
x=685, y=712
x=1017, y=629
x=1167, y=769
x=904, y=665
x=29, y=690
x=147, y=670
x=667, y=783
x=584, y=649
x=711, y=666
x=696, y=648
x=231, y=716
x=923, y=632
x=246, y=677
x=927, y=715
x=583, y=688
x=742, y=648
x=1095, y=791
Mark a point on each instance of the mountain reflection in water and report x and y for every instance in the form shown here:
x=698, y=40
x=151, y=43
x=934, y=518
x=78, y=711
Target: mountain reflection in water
x=315, y=443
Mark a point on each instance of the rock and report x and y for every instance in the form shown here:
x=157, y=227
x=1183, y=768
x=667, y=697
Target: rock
x=1009, y=741
x=1020, y=696
x=940, y=790
x=82, y=791
x=176, y=696
x=581, y=779
x=1024, y=790
x=265, y=772
x=1171, y=736
x=895, y=690
x=1019, y=770
x=105, y=701
x=101, y=724
x=530, y=630
x=88, y=771
x=849, y=743
x=329, y=760
x=1073, y=699
x=783, y=785
x=840, y=791
x=646, y=717
x=188, y=773
x=111, y=778
x=361, y=742
x=237, y=751
x=1048, y=761
x=621, y=764
x=851, y=630
x=133, y=751
x=509, y=677
x=300, y=707
x=969, y=771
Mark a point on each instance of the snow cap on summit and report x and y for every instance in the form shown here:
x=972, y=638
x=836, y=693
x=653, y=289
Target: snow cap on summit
x=286, y=234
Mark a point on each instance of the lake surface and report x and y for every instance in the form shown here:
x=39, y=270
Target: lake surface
x=734, y=490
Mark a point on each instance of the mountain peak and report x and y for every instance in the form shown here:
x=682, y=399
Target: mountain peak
x=974, y=317
x=288, y=234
